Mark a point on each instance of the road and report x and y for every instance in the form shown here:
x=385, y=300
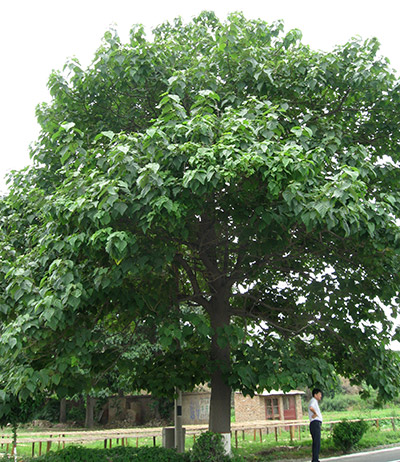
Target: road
x=381, y=455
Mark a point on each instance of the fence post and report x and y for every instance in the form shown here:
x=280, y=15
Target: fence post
x=291, y=431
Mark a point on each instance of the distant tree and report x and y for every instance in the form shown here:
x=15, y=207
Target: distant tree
x=224, y=187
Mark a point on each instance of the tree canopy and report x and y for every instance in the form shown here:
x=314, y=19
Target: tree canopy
x=221, y=192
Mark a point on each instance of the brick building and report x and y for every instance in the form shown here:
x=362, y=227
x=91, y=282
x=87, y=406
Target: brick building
x=273, y=405
x=141, y=409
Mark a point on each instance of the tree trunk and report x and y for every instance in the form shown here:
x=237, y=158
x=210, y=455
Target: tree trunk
x=89, y=418
x=14, y=443
x=220, y=403
x=63, y=410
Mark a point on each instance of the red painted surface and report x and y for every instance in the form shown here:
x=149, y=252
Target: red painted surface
x=289, y=408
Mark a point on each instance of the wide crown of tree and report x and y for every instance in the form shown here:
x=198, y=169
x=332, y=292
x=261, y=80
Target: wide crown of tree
x=221, y=190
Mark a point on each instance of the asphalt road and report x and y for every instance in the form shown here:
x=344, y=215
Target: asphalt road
x=380, y=455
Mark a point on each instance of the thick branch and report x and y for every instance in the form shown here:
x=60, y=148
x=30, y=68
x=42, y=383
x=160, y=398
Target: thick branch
x=197, y=292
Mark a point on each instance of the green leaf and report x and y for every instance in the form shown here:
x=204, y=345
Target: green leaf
x=322, y=207
x=120, y=207
x=298, y=131
x=108, y=134
x=56, y=378
x=68, y=125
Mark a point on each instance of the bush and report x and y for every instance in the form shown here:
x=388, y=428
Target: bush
x=343, y=403
x=347, y=434
x=208, y=448
x=117, y=454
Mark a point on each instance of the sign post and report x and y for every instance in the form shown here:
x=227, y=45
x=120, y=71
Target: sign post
x=179, y=434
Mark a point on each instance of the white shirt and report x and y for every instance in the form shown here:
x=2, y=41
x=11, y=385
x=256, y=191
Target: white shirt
x=314, y=404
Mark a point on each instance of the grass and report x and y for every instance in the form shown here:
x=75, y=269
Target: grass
x=267, y=450
x=362, y=414
x=26, y=449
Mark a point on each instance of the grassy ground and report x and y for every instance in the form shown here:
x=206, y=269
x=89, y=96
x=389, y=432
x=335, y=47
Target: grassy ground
x=299, y=448
x=362, y=414
x=268, y=449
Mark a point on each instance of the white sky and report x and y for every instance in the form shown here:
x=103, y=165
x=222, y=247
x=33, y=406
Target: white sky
x=37, y=36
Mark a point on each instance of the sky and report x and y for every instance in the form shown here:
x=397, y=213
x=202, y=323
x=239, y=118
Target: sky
x=38, y=36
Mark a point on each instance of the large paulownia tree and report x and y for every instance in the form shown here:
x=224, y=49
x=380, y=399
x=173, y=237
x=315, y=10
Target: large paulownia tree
x=222, y=193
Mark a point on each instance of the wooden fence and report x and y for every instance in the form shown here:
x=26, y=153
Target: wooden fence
x=43, y=441
x=294, y=427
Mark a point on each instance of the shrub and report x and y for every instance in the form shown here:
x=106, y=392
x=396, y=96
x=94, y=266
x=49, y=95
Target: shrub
x=346, y=434
x=117, y=454
x=343, y=403
x=208, y=448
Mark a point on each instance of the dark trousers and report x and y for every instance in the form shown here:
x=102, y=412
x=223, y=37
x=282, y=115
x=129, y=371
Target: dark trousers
x=315, y=430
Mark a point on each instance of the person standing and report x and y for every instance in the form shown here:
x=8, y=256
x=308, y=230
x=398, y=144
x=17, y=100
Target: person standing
x=314, y=413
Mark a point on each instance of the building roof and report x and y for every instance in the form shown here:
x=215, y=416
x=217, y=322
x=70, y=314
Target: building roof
x=279, y=392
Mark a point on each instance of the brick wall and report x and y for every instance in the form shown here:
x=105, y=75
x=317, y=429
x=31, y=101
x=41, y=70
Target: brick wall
x=299, y=407
x=248, y=409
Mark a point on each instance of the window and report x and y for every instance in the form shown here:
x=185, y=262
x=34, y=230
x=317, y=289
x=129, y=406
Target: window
x=276, y=406
x=272, y=408
x=286, y=403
